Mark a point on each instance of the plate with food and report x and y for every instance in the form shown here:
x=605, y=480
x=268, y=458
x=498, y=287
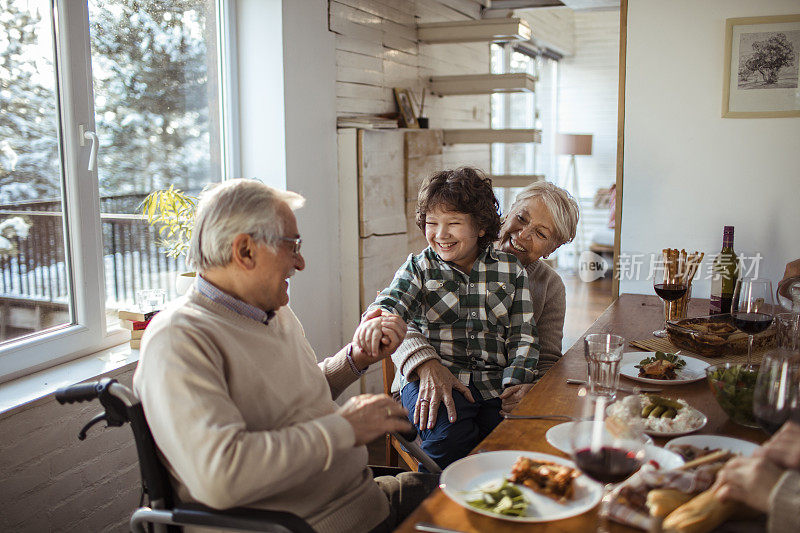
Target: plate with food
x=691, y=447
x=682, y=498
x=662, y=368
x=661, y=416
x=520, y=486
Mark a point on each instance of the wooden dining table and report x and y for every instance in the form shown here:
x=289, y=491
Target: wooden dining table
x=630, y=316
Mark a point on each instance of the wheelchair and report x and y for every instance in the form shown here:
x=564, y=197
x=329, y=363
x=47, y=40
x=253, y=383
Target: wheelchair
x=163, y=513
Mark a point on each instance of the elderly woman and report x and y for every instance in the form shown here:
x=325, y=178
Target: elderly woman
x=542, y=218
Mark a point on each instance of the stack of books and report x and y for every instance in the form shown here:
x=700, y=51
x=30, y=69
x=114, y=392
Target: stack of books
x=135, y=321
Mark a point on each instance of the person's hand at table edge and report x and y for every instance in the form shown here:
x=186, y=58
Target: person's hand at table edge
x=512, y=395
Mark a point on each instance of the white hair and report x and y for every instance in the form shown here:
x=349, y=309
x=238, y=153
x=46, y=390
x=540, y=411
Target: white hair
x=233, y=207
x=559, y=203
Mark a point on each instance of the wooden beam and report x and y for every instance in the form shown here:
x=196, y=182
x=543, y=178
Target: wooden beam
x=515, y=180
x=475, y=31
x=483, y=84
x=623, y=46
x=488, y=136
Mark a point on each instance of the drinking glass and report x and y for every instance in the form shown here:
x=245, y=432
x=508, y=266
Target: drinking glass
x=607, y=449
x=669, y=282
x=603, y=353
x=775, y=397
x=787, y=331
x=752, y=309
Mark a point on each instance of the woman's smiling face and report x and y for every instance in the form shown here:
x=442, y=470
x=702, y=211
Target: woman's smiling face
x=528, y=231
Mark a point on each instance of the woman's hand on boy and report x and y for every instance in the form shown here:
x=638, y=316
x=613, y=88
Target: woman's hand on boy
x=436, y=385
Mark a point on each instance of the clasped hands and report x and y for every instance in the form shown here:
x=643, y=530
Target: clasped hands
x=377, y=337
x=373, y=415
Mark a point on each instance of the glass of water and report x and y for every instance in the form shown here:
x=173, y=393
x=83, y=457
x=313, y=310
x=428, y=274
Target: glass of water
x=150, y=299
x=603, y=352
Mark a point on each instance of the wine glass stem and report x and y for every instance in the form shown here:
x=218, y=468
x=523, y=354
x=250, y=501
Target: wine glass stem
x=749, y=349
x=605, y=509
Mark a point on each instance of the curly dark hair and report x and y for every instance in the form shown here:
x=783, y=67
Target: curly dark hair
x=464, y=190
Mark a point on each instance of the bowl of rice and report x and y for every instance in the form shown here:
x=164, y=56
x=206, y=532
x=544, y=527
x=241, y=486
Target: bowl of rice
x=687, y=419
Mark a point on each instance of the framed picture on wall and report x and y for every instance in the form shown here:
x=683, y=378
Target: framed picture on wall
x=404, y=103
x=762, y=67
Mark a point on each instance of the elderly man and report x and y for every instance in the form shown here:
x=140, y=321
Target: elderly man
x=238, y=406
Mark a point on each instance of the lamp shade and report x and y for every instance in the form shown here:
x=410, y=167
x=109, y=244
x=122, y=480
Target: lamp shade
x=574, y=144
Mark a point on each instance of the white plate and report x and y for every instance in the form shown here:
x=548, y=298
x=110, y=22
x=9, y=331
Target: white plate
x=461, y=480
x=694, y=370
x=626, y=414
x=714, y=442
x=559, y=438
x=654, y=433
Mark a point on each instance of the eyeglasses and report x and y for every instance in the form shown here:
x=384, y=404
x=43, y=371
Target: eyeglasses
x=296, y=242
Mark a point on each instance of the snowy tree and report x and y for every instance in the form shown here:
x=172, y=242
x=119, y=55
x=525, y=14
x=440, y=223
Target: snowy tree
x=152, y=71
x=29, y=162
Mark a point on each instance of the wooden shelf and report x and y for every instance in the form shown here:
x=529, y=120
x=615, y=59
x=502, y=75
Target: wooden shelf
x=475, y=31
x=515, y=180
x=488, y=136
x=483, y=84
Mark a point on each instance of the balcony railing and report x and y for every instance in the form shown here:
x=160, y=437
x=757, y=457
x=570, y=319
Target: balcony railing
x=132, y=259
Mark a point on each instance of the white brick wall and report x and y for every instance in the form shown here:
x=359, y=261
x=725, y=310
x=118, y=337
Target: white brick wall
x=51, y=481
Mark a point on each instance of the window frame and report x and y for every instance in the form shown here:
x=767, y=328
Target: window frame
x=87, y=333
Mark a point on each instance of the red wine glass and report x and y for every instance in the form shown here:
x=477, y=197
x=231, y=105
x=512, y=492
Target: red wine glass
x=606, y=448
x=776, y=397
x=669, y=282
x=753, y=309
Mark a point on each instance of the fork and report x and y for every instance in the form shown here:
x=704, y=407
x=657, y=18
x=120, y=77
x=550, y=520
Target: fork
x=539, y=417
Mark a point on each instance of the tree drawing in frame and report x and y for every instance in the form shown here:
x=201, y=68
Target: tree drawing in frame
x=403, y=98
x=768, y=60
x=761, y=66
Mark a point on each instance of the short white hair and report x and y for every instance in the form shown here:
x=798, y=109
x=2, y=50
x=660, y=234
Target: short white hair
x=233, y=207
x=559, y=203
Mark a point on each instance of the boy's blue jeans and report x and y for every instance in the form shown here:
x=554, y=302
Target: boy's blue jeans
x=448, y=442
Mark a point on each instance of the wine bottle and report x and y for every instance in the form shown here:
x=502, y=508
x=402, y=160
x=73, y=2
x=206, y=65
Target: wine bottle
x=725, y=273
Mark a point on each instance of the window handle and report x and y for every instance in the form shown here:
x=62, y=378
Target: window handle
x=90, y=136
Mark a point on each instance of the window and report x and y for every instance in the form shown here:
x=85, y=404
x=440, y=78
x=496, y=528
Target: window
x=145, y=77
x=525, y=110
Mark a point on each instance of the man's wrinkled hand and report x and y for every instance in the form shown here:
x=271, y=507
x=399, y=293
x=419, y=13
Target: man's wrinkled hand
x=374, y=415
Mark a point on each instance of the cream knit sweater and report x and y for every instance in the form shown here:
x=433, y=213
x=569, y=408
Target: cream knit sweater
x=549, y=300
x=244, y=416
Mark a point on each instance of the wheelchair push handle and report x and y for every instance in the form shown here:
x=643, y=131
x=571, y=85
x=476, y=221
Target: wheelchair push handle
x=81, y=392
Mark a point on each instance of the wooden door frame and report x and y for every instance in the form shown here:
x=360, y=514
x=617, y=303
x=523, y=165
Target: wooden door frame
x=623, y=41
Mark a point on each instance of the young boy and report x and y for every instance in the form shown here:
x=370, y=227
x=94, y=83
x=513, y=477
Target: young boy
x=470, y=300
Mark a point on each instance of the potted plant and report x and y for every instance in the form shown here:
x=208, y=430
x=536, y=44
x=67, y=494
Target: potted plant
x=172, y=211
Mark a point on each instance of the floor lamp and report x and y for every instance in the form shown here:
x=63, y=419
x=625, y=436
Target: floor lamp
x=572, y=144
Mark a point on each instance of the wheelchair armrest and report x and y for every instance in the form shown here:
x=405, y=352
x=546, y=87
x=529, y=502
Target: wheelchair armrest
x=240, y=518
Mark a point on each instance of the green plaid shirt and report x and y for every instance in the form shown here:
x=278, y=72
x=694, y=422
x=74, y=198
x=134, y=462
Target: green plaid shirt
x=480, y=324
